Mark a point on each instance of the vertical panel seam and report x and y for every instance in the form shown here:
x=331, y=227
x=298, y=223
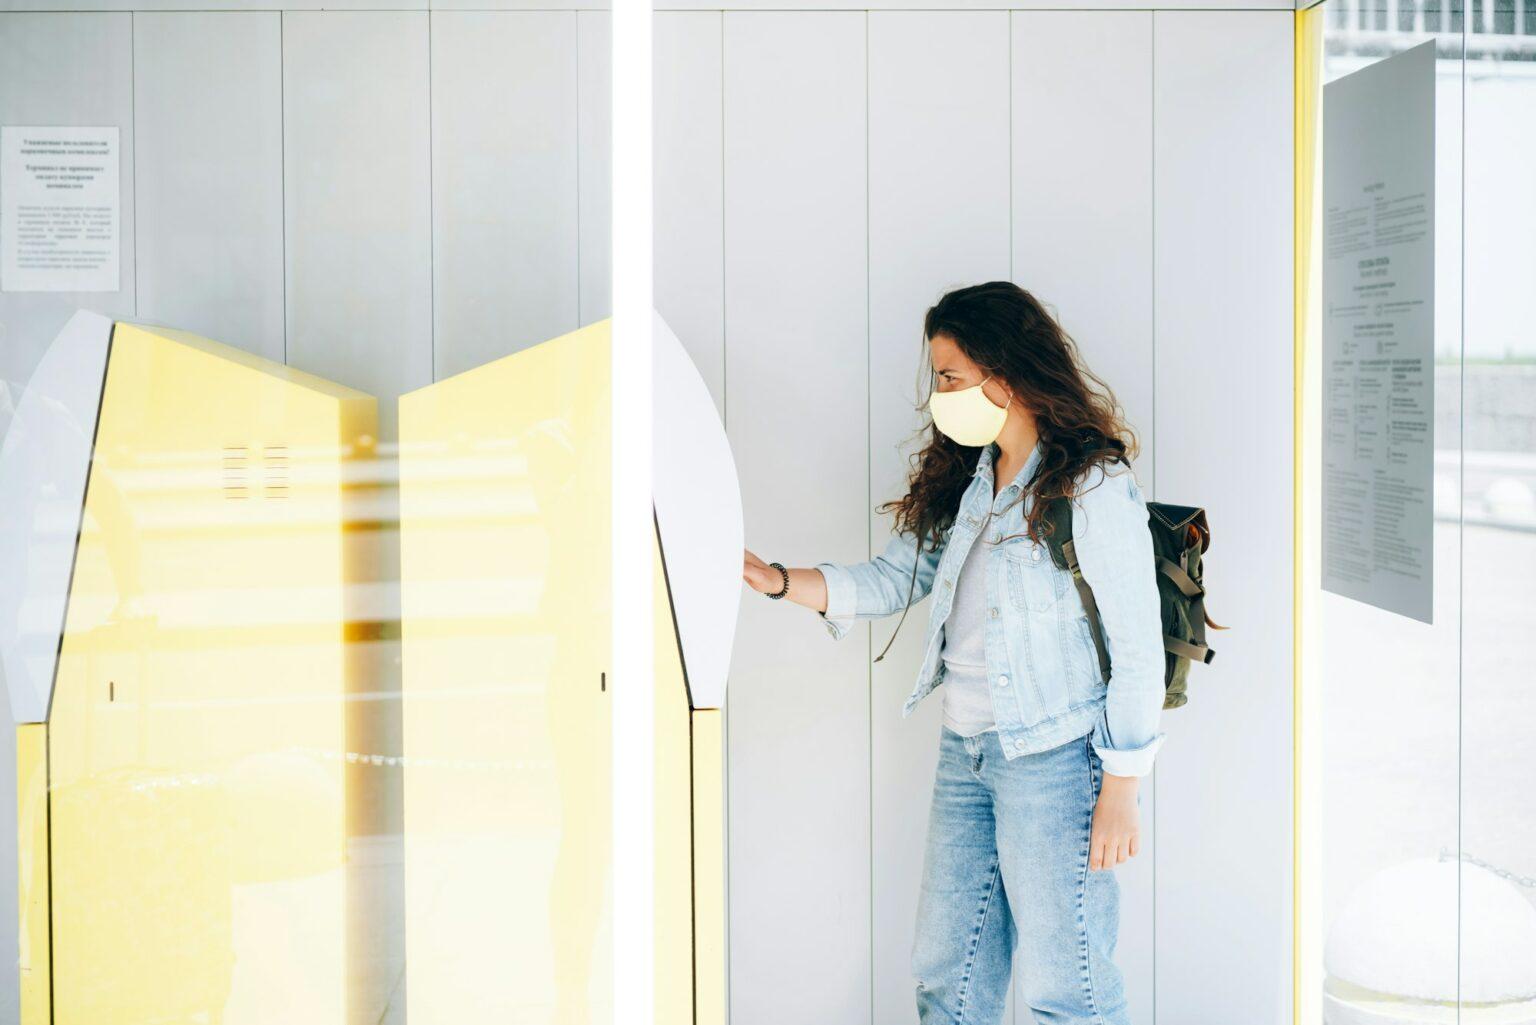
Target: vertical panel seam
x=724, y=348
x=1156, y=463
x=725, y=754
x=282, y=160
x=869, y=538
x=580, y=164
x=1013, y=1009
x=1461, y=501
x=133, y=140
x=431, y=212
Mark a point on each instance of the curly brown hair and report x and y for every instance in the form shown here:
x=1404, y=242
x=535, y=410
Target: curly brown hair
x=1006, y=332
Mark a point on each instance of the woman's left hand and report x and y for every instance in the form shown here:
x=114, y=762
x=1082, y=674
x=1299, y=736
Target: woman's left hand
x=1116, y=833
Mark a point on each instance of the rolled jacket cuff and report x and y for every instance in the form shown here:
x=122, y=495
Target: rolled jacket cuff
x=842, y=599
x=1134, y=761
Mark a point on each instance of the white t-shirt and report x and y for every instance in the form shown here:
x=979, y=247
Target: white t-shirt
x=967, y=695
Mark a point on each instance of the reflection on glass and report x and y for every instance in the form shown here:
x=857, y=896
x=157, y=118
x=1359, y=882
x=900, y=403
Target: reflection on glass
x=1498, y=497
x=504, y=478
x=1390, y=686
x=1428, y=822
x=187, y=860
x=240, y=799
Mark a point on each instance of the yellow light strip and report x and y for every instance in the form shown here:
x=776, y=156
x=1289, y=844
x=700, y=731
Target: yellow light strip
x=1305, y=998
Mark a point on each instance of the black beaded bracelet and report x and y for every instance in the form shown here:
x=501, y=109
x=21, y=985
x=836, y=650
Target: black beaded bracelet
x=785, y=574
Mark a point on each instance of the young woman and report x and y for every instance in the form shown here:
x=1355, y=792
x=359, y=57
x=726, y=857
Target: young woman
x=1035, y=800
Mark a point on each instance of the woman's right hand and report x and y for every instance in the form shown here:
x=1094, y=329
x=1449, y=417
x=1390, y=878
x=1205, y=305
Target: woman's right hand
x=806, y=586
x=759, y=575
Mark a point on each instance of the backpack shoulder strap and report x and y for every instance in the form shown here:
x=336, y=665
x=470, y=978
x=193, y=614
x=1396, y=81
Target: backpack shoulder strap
x=1058, y=513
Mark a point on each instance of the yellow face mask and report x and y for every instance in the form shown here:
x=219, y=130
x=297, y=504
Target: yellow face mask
x=967, y=415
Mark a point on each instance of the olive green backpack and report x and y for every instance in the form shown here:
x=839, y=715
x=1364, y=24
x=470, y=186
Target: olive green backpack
x=1179, y=537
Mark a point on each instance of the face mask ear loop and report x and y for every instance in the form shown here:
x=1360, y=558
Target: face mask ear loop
x=1010, y=391
x=911, y=588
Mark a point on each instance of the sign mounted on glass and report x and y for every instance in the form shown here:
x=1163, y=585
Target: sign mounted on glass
x=1378, y=333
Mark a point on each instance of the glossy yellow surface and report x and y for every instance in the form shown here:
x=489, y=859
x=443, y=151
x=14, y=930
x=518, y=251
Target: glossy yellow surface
x=505, y=571
x=709, y=865
x=690, y=837
x=674, y=815
x=196, y=737
x=32, y=872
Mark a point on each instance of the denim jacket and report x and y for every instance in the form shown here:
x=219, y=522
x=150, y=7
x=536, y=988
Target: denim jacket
x=1046, y=684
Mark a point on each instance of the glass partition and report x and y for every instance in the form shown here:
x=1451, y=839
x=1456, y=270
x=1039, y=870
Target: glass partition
x=309, y=728
x=1418, y=819
x=1498, y=500
x=187, y=821
x=315, y=729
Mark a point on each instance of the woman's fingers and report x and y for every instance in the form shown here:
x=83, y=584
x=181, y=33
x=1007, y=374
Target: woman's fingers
x=758, y=573
x=1106, y=851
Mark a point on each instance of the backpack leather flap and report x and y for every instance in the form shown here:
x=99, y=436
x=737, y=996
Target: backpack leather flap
x=1187, y=521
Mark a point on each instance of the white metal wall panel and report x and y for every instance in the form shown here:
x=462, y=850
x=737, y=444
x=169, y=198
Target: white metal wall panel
x=1082, y=190
x=1083, y=165
x=1224, y=420
x=662, y=5
x=504, y=189
x=229, y=5
x=689, y=189
x=508, y=5
x=357, y=171
x=938, y=219
x=975, y=5
x=795, y=279
x=208, y=98
x=595, y=205
x=66, y=69
x=1082, y=243
x=688, y=186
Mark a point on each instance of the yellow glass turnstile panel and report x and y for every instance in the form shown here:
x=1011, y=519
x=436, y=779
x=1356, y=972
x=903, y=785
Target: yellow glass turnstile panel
x=690, y=836
x=709, y=866
x=674, y=816
x=32, y=873
x=505, y=579
x=196, y=737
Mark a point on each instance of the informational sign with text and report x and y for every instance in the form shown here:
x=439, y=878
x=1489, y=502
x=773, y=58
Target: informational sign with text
x=1378, y=319
x=60, y=216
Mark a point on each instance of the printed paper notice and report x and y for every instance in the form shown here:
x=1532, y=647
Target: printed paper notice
x=1378, y=333
x=59, y=209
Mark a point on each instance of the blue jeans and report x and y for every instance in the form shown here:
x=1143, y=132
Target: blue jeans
x=1006, y=867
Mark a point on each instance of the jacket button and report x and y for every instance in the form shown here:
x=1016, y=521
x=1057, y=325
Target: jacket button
x=1035, y=555
x=994, y=613
x=1002, y=681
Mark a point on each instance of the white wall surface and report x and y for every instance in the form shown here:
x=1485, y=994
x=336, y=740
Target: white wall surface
x=822, y=176
x=379, y=197
x=797, y=340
